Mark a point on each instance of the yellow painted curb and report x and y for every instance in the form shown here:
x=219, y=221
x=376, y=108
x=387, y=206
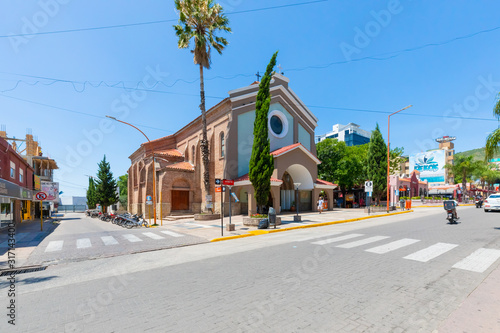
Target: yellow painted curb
x=230, y=237
x=270, y=231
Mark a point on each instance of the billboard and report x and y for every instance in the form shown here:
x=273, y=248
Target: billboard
x=52, y=190
x=430, y=164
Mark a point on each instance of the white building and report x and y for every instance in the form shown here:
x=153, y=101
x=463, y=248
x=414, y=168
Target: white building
x=351, y=134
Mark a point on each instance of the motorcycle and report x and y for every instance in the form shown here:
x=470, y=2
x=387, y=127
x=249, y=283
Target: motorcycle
x=479, y=203
x=449, y=206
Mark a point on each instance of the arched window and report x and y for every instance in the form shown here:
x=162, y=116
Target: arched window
x=186, y=155
x=192, y=154
x=222, y=145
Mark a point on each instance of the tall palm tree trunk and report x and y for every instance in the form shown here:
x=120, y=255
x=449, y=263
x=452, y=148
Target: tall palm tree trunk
x=204, y=141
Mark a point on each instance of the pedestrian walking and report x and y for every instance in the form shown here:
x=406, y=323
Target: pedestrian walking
x=320, y=204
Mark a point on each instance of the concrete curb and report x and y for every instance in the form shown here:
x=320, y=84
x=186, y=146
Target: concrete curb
x=270, y=231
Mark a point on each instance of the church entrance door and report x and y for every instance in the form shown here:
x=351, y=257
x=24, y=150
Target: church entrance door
x=180, y=200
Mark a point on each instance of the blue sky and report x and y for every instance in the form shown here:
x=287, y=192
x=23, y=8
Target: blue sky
x=441, y=57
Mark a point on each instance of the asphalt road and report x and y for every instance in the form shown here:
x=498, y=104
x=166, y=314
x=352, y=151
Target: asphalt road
x=80, y=237
x=404, y=273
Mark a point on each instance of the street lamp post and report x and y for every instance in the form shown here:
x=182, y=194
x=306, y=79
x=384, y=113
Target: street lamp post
x=154, y=164
x=388, y=152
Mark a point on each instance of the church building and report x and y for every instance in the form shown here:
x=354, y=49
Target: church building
x=179, y=166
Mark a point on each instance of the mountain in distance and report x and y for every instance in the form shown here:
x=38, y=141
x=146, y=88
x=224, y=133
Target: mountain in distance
x=478, y=154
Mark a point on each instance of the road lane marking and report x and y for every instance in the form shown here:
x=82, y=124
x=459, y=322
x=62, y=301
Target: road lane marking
x=171, y=233
x=54, y=246
x=393, y=246
x=319, y=236
x=198, y=225
x=362, y=242
x=131, y=238
x=336, y=239
x=431, y=252
x=109, y=240
x=83, y=243
x=479, y=260
x=153, y=236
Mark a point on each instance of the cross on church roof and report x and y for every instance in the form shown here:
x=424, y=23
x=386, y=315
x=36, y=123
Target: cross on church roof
x=258, y=76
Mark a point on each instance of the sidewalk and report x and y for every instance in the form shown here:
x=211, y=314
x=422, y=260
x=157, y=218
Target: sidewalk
x=24, y=248
x=211, y=230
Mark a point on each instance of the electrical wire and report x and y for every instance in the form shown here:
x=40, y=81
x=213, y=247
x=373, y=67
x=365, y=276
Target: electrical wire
x=155, y=22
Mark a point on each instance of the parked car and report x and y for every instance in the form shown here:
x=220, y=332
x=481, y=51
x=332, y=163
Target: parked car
x=492, y=203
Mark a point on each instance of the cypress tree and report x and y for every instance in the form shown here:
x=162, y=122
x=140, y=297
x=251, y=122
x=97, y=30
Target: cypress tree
x=105, y=185
x=261, y=161
x=91, y=194
x=377, y=163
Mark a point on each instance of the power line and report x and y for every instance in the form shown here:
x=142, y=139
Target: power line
x=156, y=22
x=77, y=112
x=402, y=114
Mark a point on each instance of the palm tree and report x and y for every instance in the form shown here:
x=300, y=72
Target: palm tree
x=493, y=140
x=464, y=168
x=199, y=20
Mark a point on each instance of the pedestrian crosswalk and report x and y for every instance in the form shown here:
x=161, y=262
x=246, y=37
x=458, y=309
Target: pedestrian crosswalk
x=85, y=243
x=478, y=261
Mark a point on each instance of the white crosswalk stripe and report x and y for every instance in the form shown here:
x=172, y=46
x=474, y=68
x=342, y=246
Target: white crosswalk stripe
x=171, y=233
x=83, y=243
x=131, y=238
x=336, y=239
x=479, y=260
x=199, y=225
x=152, y=235
x=362, y=242
x=431, y=252
x=109, y=240
x=393, y=246
x=54, y=246
x=316, y=236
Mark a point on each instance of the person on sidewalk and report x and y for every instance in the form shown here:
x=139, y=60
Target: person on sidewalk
x=320, y=205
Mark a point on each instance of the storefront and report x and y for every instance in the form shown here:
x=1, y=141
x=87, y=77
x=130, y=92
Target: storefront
x=15, y=203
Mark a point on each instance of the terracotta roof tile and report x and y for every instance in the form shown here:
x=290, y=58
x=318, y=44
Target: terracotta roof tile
x=169, y=152
x=324, y=182
x=285, y=149
x=186, y=166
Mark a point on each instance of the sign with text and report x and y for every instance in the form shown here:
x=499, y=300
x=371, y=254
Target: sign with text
x=52, y=190
x=430, y=164
x=228, y=182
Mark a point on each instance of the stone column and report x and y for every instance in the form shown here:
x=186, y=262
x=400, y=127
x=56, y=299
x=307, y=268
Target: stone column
x=275, y=190
x=252, y=204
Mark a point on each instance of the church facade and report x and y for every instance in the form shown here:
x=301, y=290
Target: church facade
x=179, y=167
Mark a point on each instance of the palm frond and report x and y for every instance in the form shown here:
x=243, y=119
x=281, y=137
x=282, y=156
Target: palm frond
x=492, y=144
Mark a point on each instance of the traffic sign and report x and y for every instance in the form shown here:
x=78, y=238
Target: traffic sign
x=368, y=186
x=228, y=182
x=149, y=202
x=218, y=181
x=235, y=197
x=218, y=189
x=149, y=198
x=41, y=196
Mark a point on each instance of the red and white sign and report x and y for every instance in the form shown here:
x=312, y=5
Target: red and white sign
x=41, y=196
x=228, y=182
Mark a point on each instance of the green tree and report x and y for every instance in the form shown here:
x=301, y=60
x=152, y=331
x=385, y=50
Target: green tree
x=463, y=168
x=91, y=194
x=261, y=162
x=199, y=20
x=106, y=187
x=396, y=159
x=377, y=164
x=123, y=189
x=493, y=140
x=341, y=164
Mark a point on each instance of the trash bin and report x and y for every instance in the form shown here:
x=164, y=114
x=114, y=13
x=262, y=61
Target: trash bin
x=402, y=203
x=272, y=217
